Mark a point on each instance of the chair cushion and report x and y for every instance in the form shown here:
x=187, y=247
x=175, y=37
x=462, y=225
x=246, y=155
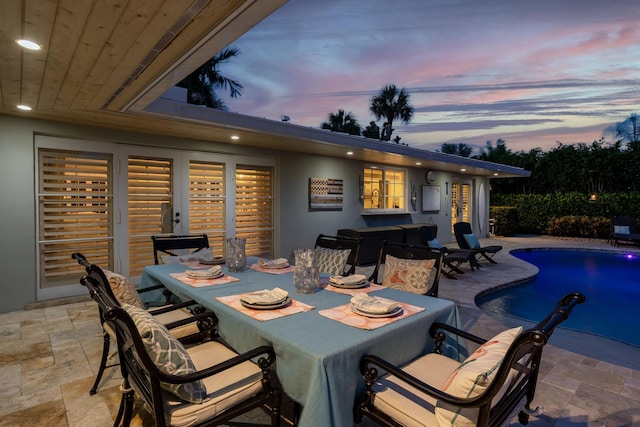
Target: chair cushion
x=621, y=229
x=331, y=261
x=406, y=404
x=224, y=390
x=472, y=241
x=168, y=354
x=472, y=378
x=122, y=289
x=174, y=316
x=435, y=244
x=410, y=275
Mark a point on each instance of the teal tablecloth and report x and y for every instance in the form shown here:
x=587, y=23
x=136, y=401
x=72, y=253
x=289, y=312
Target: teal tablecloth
x=317, y=357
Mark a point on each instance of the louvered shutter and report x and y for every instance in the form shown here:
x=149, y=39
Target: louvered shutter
x=254, y=209
x=150, y=204
x=207, y=200
x=75, y=213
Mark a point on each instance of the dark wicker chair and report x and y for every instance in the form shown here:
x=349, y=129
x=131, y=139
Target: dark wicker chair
x=409, y=252
x=428, y=388
x=220, y=383
x=451, y=258
x=462, y=228
x=623, y=229
x=167, y=245
x=342, y=243
x=176, y=316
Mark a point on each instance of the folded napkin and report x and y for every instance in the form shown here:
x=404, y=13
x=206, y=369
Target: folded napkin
x=373, y=305
x=265, y=296
x=279, y=262
x=215, y=271
x=352, y=279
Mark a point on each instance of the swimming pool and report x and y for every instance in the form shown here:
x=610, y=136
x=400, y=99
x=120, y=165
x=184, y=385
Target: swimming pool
x=609, y=280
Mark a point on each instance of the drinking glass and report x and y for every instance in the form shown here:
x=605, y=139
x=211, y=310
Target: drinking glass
x=305, y=275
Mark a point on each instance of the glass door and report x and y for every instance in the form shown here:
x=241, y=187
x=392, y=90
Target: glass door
x=460, y=201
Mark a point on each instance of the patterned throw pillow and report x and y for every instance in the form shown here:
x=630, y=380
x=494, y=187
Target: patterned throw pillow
x=195, y=256
x=122, y=289
x=332, y=261
x=410, y=275
x=472, y=241
x=472, y=378
x=167, y=353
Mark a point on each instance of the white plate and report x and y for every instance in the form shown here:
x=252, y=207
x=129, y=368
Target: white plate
x=210, y=276
x=281, y=304
x=275, y=267
x=215, y=261
x=350, y=285
x=392, y=313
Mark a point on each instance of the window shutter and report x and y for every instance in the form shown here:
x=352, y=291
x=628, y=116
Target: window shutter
x=207, y=200
x=75, y=200
x=254, y=209
x=150, y=205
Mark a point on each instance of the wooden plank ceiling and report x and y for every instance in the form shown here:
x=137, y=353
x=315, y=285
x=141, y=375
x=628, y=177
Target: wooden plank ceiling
x=107, y=56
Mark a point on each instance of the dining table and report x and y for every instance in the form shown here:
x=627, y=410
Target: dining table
x=317, y=339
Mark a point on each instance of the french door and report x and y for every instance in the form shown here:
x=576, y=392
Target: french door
x=460, y=201
x=108, y=203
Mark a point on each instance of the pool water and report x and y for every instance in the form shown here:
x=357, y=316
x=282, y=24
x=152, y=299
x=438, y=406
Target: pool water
x=610, y=281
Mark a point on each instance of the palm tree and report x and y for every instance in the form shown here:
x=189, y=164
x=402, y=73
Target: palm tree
x=342, y=122
x=203, y=81
x=626, y=131
x=390, y=104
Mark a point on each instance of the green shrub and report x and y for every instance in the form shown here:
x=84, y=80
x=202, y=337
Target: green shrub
x=535, y=212
x=506, y=220
x=596, y=227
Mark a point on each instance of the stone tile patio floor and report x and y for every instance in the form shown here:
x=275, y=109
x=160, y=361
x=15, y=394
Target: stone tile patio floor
x=49, y=354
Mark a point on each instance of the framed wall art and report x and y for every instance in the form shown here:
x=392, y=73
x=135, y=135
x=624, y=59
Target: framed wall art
x=325, y=194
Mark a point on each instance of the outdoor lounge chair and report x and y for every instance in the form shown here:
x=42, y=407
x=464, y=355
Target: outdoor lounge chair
x=452, y=259
x=467, y=240
x=623, y=228
x=493, y=385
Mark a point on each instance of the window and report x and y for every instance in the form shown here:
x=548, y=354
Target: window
x=384, y=189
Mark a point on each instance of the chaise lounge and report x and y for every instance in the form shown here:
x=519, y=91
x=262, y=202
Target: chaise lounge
x=623, y=228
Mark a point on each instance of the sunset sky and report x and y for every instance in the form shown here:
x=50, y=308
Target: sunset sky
x=532, y=73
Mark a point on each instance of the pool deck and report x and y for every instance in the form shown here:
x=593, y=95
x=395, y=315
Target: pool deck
x=49, y=354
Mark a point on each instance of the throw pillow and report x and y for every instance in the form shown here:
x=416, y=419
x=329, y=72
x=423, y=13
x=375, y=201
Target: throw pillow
x=195, y=256
x=434, y=244
x=332, y=261
x=472, y=241
x=410, y=275
x=168, y=354
x=122, y=289
x=472, y=378
x=621, y=229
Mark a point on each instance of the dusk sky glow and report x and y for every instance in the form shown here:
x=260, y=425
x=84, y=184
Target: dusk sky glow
x=531, y=73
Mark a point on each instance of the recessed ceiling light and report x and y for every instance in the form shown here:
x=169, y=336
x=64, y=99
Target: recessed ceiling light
x=463, y=170
x=28, y=44
x=235, y=137
x=418, y=163
x=349, y=153
x=24, y=107
x=495, y=174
